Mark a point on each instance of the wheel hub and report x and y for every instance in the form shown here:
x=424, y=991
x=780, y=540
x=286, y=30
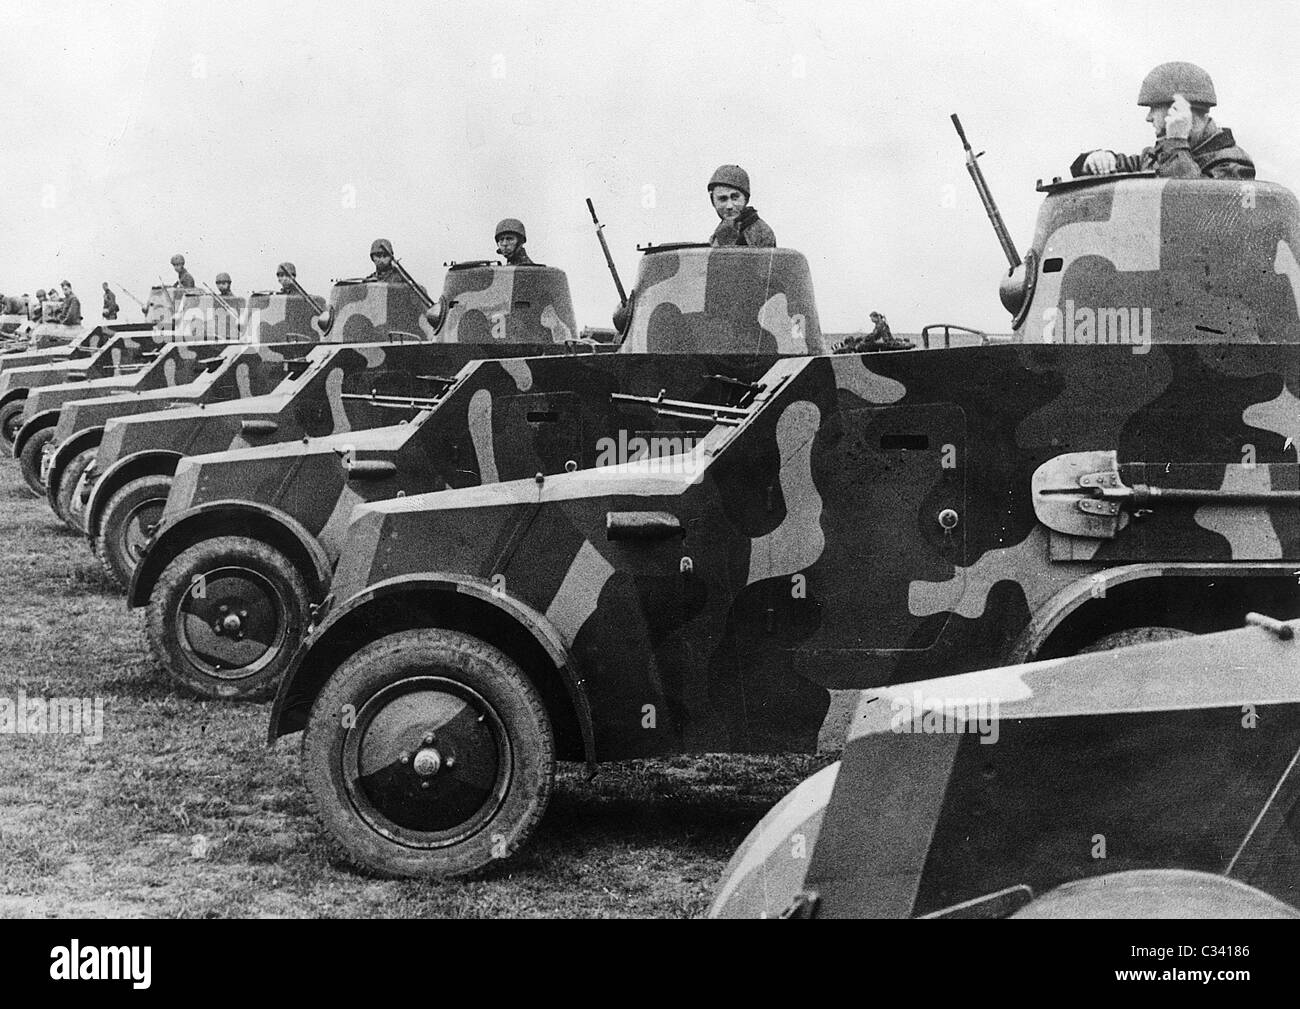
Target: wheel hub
x=235, y=626
x=427, y=762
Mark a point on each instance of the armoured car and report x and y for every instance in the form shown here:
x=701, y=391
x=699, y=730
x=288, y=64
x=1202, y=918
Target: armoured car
x=1154, y=781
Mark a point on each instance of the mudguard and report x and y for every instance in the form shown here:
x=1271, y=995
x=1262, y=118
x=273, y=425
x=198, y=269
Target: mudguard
x=44, y=419
x=119, y=473
x=70, y=447
x=161, y=552
x=299, y=686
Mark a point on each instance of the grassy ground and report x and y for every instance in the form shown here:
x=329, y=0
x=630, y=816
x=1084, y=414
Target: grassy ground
x=183, y=811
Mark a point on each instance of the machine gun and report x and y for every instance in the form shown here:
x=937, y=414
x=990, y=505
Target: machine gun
x=986, y=197
x=316, y=307
x=609, y=260
x=223, y=303
x=410, y=281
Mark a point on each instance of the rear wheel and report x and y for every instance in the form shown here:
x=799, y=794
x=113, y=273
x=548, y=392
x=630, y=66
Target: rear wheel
x=11, y=420
x=129, y=519
x=225, y=617
x=29, y=459
x=428, y=754
x=62, y=488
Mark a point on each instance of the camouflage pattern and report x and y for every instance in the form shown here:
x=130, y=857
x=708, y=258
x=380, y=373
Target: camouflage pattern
x=239, y=371
x=724, y=301
x=272, y=317
x=972, y=795
x=93, y=337
x=370, y=312
x=746, y=612
x=511, y=304
x=202, y=317
x=1143, y=260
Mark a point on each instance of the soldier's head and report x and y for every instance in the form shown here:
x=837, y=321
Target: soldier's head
x=1169, y=81
x=106, y=285
x=67, y=287
x=40, y=294
x=223, y=284
x=729, y=191
x=381, y=254
x=285, y=274
x=178, y=262
x=510, y=236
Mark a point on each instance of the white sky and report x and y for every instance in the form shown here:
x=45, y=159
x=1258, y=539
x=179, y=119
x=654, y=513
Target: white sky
x=245, y=133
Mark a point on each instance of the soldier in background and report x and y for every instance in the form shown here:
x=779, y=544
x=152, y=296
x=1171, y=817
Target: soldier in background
x=285, y=273
x=37, y=307
x=381, y=254
x=223, y=285
x=511, y=237
x=110, y=303
x=183, y=277
x=1189, y=144
x=71, y=315
x=739, y=222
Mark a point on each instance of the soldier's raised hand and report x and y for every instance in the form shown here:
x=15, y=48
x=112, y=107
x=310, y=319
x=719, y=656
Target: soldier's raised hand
x=1100, y=163
x=1178, y=120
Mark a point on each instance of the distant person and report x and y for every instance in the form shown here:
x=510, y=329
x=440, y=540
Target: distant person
x=880, y=332
x=110, y=303
x=739, y=223
x=223, y=285
x=38, y=306
x=1189, y=144
x=511, y=237
x=381, y=254
x=285, y=274
x=183, y=277
x=71, y=315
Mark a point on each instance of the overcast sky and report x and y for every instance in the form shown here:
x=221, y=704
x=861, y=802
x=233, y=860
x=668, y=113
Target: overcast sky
x=245, y=133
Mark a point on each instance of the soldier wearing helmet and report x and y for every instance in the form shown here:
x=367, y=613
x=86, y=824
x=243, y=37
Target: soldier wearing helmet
x=71, y=315
x=739, y=222
x=223, y=285
x=381, y=254
x=183, y=277
x=1189, y=144
x=285, y=274
x=37, y=306
x=511, y=236
x=110, y=303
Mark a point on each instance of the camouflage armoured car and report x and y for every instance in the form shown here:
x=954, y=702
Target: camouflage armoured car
x=857, y=524
x=1151, y=782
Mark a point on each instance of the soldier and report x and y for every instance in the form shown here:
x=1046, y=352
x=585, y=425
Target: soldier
x=1189, y=144
x=511, y=237
x=71, y=315
x=223, y=285
x=110, y=303
x=381, y=254
x=183, y=277
x=37, y=306
x=285, y=273
x=740, y=223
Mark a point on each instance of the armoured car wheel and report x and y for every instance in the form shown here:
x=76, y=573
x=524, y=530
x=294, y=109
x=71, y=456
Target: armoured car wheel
x=67, y=480
x=429, y=754
x=226, y=616
x=1134, y=636
x=128, y=521
x=30, y=459
x=11, y=419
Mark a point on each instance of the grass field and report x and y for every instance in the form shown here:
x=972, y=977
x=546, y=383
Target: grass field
x=183, y=811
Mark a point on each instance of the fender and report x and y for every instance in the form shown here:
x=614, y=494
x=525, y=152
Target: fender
x=177, y=534
x=1077, y=594
x=300, y=684
x=70, y=447
x=137, y=464
x=14, y=395
x=44, y=419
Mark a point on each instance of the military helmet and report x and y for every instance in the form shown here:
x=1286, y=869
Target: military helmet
x=288, y=268
x=731, y=175
x=178, y=260
x=510, y=226
x=40, y=293
x=223, y=278
x=1169, y=79
x=381, y=245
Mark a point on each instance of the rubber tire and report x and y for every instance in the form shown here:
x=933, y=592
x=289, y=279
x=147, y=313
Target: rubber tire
x=1156, y=894
x=10, y=421
x=68, y=478
x=174, y=584
x=500, y=682
x=29, y=459
x=108, y=547
x=1134, y=636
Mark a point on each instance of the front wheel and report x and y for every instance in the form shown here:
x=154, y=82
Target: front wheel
x=429, y=754
x=62, y=487
x=29, y=459
x=225, y=617
x=11, y=422
x=129, y=519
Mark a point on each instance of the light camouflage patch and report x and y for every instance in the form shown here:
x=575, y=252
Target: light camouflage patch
x=579, y=592
x=334, y=397
x=518, y=369
x=852, y=374
x=1285, y=264
x=1248, y=530
x=786, y=329
x=480, y=432
x=560, y=333
x=798, y=541
x=1280, y=415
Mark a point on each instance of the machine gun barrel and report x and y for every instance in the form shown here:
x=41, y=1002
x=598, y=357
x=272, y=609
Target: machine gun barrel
x=986, y=197
x=423, y=294
x=609, y=260
x=222, y=302
x=316, y=306
x=689, y=409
